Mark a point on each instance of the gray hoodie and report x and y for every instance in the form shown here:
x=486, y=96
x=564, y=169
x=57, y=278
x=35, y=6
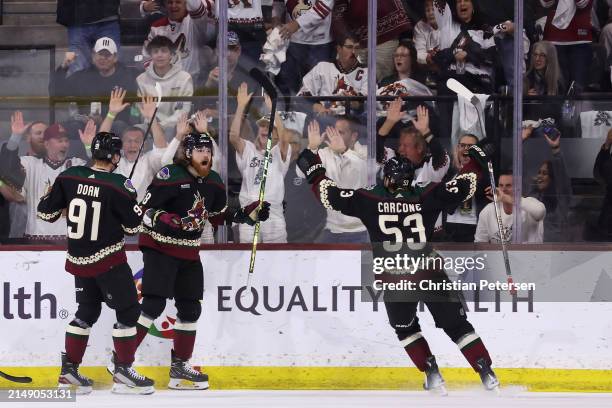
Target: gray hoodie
x=175, y=83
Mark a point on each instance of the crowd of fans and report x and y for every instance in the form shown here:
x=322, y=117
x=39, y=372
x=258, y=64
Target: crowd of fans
x=314, y=50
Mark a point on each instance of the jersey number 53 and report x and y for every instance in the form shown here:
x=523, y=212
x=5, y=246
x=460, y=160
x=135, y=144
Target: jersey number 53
x=413, y=221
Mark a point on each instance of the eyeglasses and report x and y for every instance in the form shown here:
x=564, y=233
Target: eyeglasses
x=465, y=145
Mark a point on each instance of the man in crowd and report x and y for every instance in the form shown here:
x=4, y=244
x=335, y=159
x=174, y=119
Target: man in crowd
x=189, y=28
x=98, y=80
x=347, y=169
x=250, y=160
x=40, y=173
x=346, y=76
x=308, y=29
x=132, y=137
x=532, y=215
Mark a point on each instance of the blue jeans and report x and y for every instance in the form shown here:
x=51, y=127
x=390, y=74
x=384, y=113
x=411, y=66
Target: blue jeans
x=575, y=62
x=81, y=40
x=301, y=58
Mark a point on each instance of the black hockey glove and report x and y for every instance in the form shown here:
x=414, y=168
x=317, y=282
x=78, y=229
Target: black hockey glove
x=250, y=215
x=311, y=166
x=479, y=156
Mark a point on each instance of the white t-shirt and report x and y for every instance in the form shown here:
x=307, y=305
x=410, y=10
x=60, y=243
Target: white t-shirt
x=532, y=213
x=250, y=164
x=148, y=165
x=39, y=178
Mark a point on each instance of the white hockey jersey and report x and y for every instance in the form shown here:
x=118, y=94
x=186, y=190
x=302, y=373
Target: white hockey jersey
x=189, y=35
x=314, y=18
x=243, y=11
x=40, y=176
x=595, y=124
x=328, y=78
x=450, y=29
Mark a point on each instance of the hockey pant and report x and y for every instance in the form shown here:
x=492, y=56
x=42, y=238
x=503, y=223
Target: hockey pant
x=448, y=316
x=116, y=288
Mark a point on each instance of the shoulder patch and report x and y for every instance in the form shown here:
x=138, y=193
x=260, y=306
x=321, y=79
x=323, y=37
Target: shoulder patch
x=129, y=186
x=163, y=174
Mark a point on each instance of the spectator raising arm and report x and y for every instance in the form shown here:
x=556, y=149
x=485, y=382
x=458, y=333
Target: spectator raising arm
x=243, y=98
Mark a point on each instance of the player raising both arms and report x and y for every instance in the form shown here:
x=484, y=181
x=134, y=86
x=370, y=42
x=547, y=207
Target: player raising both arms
x=179, y=201
x=395, y=212
x=100, y=207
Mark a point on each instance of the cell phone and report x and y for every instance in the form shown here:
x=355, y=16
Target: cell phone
x=552, y=132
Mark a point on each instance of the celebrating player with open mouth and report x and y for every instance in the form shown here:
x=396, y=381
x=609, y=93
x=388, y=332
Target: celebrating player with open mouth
x=179, y=201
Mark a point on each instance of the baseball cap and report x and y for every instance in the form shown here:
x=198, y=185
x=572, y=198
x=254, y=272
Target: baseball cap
x=105, y=43
x=232, y=39
x=54, y=131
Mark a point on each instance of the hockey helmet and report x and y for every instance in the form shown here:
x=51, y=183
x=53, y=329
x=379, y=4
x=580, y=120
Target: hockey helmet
x=105, y=145
x=399, y=173
x=196, y=140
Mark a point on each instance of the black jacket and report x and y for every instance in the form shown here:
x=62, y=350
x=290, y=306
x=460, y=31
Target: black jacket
x=79, y=12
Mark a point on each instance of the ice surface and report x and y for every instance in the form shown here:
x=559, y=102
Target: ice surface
x=333, y=399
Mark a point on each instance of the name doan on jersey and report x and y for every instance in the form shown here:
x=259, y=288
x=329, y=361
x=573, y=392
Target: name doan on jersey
x=91, y=191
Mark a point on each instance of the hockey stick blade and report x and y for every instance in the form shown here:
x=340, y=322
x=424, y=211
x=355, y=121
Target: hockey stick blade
x=13, y=378
x=458, y=88
x=264, y=81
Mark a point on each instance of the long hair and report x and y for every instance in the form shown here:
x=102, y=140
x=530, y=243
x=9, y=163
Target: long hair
x=548, y=196
x=415, y=69
x=552, y=72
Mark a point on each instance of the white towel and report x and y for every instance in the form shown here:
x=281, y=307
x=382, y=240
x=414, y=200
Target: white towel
x=468, y=116
x=564, y=14
x=274, y=51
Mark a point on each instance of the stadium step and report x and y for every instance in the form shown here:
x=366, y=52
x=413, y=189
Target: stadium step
x=30, y=13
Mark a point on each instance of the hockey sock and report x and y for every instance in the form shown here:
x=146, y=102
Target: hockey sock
x=77, y=335
x=142, y=328
x=184, y=339
x=473, y=348
x=418, y=350
x=124, y=339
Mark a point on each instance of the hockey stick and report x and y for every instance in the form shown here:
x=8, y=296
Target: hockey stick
x=13, y=378
x=267, y=85
x=159, y=97
x=462, y=91
x=501, y=231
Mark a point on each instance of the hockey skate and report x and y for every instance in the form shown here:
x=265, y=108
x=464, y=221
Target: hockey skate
x=110, y=367
x=487, y=376
x=184, y=377
x=433, y=379
x=126, y=380
x=72, y=379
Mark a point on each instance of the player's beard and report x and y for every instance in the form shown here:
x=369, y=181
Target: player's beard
x=202, y=167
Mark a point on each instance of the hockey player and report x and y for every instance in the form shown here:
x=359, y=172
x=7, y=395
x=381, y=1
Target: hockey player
x=179, y=201
x=100, y=207
x=396, y=212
